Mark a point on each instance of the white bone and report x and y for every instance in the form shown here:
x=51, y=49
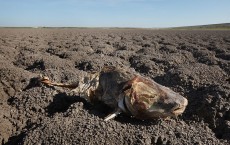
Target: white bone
x=113, y=115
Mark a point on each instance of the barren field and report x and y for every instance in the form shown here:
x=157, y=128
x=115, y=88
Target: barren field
x=195, y=64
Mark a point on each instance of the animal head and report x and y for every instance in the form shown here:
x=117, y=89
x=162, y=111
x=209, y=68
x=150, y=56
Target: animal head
x=146, y=99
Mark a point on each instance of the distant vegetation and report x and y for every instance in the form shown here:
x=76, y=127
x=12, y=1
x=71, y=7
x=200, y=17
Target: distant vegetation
x=224, y=26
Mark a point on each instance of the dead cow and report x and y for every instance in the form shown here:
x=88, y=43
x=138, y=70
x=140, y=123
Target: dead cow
x=128, y=92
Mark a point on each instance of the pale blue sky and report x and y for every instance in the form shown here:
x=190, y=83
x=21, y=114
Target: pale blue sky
x=113, y=13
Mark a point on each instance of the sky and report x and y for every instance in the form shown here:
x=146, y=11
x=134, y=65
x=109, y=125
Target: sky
x=113, y=13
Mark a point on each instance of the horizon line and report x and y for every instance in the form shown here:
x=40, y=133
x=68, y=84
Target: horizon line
x=114, y=27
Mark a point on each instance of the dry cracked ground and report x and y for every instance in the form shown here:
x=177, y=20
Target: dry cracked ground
x=194, y=63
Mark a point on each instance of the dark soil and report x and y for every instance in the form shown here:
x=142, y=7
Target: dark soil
x=194, y=63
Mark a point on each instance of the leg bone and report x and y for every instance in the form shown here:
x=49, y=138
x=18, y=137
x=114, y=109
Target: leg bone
x=46, y=81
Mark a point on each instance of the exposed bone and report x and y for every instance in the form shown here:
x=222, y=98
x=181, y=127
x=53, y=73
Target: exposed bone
x=46, y=81
x=113, y=115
